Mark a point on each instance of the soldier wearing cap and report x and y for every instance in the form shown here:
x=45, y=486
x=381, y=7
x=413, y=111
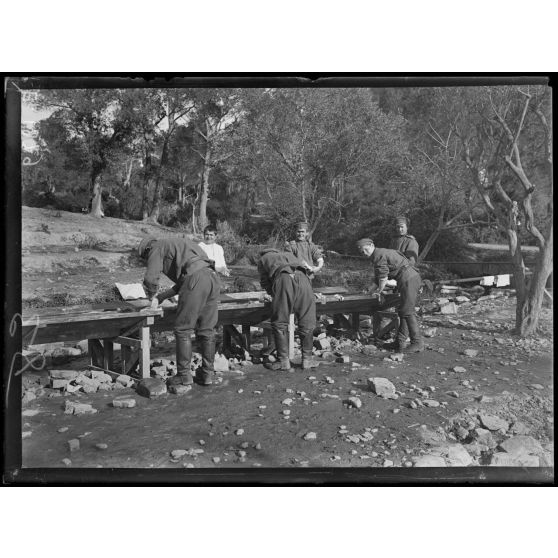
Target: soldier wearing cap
x=197, y=286
x=312, y=257
x=285, y=279
x=391, y=264
x=404, y=242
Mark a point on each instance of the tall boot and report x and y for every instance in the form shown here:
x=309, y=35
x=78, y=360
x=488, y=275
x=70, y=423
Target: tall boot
x=400, y=343
x=204, y=375
x=282, y=344
x=306, y=341
x=417, y=343
x=183, y=359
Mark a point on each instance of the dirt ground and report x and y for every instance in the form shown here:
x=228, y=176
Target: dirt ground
x=242, y=422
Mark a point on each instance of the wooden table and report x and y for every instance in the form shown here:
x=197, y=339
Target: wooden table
x=101, y=327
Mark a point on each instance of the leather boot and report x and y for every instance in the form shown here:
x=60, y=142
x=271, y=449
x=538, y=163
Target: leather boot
x=400, y=342
x=417, y=343
x=204, y=375
x=282, y=344
x=306, y=340
x=183, y=358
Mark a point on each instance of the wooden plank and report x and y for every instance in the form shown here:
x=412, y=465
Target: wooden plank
x=96, y=353
x=112, y=373
x=108, y=353
x=331, y=290
x=30, y=319
x=128, y=341
x=125, y=356
x=291, y=331
x=145, y=352
x=132, y=362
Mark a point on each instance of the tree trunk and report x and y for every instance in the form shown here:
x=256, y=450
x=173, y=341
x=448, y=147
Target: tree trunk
x=428, y=246
x=204, y=187
x=528, y=311
x=97, y=203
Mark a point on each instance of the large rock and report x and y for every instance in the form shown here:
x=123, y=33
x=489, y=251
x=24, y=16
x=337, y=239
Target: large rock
x=369, y=350
x=124, y=402
x=382, y=387
x=429, y=461
x=64, y=374
x=450, y=308
x=151, y=387
x=492, y=422
x=88, y=385
x=509, y=460
x=124, y=380
x=484, y=437
x=458, y=456
x=522, y=444
x=75, y=408
x=432, y=437
x=101, y=376
x=322, y=344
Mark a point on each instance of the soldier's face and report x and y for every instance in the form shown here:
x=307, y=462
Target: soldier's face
x=301, y=234
x=209, y=237
x=401, y=229
x=366, y=250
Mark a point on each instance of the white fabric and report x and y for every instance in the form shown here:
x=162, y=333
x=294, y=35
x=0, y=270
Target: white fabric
x=214, y=252
x=487, y=281
x=131, y=292
x=503, y=280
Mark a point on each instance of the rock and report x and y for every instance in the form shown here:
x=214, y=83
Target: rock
x=310, y=436
x=83, y=346
x=286, y=412
x=432, y=437
x=382, y=387
x=485, y=437
x=67, y=461
x=75, y=408
x=62, y=429
x=461, y=299
x=25, y=434
x=179, y=389
x=429, y=461
x=396, y=357
x=30, y=412
x=457, y=456
x=537, y=386
x=522, y=444
x=459, y=369
x=28, y=396
x=216, y=460
x=124, y=402
x=509, y=460
x=431, y=403
x=221, y=363
x=442, y=301
x=344, y=359
x=124, y=380
x=87, y=384
x=453, y=394
x=518, y=428
x=461, y=433
x=369, y=349
x=429, y=332
x=450, y=308
x=239, y=432
x=151, y=387
x=388, y=463
x=287, y=401
x=353, y=402
x=328, y=355
x=493, y=422
x=470, y=353
x=322, y=344
x=177, y=454
x=329, y=380
x=73, y=445
x=64, y=374
x=101, y=446
x=101, y=377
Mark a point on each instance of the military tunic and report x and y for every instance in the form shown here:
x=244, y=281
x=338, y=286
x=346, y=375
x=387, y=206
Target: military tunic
x=390, y=264
x=407, y=245
x=304, y=250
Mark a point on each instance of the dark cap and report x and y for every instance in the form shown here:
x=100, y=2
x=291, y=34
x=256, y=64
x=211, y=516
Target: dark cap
x=365, y=242
x=145, y=246
x=302, y=225
x=402, y=220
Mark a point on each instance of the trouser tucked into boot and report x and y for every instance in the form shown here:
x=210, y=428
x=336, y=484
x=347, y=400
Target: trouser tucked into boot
x=204, y=375
x=306, y=341
x=282, y=343
x=417, y=343
x=183, y=340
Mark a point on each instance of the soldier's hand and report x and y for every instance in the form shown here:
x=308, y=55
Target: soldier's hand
x=267, y=298
x=154, y=303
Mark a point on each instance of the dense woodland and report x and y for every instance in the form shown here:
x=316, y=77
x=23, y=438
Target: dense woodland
x=465, y=164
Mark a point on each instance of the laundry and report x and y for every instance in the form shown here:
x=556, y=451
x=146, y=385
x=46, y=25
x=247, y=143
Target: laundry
x=503, y=280
x=487, y=281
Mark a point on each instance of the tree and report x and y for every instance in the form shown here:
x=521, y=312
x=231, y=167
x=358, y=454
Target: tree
x=95, y=126
x=507, y=141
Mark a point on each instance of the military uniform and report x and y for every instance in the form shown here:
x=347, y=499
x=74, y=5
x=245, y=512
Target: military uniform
x=284, y=277
x=407, y=245
x=197, y=286
x=392, y=264
x=304, y=250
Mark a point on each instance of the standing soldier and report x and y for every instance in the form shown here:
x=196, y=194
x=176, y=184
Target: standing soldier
x=305, y=250
x=197, y=286
x=391, y=264
x=404, y=242
x=284, y=278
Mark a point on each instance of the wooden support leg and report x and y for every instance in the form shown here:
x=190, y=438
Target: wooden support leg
x=355, y=319
x=145, y=352
x=125, y=357
x=226, y=341
x=96, y=352
x=246, y=336
x=108, y=354
x=291, y=331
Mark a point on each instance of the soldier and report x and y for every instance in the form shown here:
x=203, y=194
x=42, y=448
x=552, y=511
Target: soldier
x=214, y=251
x=284, y=278
x=391, y=264
x=305, y=250
x=404, y=242
x=197, y=286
